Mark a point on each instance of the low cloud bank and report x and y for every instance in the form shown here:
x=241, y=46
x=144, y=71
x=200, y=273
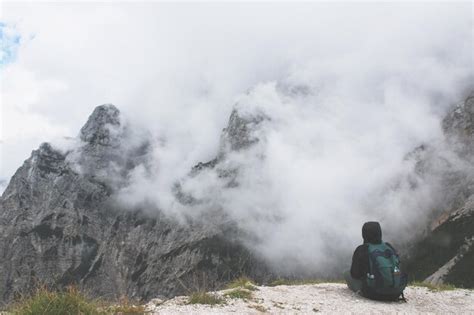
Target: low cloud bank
x=322, y=163
x=347, y=92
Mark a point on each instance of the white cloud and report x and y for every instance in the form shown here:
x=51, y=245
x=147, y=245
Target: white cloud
x=381, y=75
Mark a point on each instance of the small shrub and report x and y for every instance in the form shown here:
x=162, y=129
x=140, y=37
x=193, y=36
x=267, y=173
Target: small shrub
x=242, y=282
x=126, y=307
x=47, y=302
x=239, y=293
x=294, y=282
x=433, y=287
x=205, y=298
x=281, y=282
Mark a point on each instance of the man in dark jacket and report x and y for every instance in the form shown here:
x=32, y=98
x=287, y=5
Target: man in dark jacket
x=371, y=233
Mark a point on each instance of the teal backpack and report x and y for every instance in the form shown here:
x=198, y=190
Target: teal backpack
x=385, y=281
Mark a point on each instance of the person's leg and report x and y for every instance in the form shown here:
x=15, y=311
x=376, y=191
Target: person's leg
x=353, y=284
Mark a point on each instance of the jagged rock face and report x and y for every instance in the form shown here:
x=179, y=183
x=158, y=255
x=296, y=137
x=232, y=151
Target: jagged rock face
x=108, y=148
x=101, y=137
x=59, y=225
x=459, y=126
x=446, y=254
x=99, y=129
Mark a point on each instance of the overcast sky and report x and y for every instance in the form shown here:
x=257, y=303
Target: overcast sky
x=180, y=67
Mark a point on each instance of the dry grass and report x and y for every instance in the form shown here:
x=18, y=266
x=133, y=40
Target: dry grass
x=126, y=307
x=302, y=282
x=239, y=293
x=70, y=301
x=46, y=302
x=433, y=287
x=205, y=298
x=242, y=282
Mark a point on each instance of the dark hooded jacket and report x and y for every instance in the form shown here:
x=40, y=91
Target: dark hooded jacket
x=371, y=233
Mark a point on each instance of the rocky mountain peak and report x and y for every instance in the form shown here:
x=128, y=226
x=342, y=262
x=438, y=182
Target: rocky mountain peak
x=102, y=137
x=239, y=132
x=101, y=124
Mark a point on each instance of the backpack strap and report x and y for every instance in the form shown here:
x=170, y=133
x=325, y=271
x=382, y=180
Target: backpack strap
x=394, y=250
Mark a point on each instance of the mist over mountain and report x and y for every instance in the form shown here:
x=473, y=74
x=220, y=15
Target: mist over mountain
x=240, y=139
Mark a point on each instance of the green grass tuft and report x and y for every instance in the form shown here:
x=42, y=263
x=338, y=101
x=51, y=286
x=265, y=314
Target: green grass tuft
x=302, y=282
x=239, y=293
x=70, y=301
x=242, y=282
x=47, y=302
x=205, y=298
x=126, y=307
x=433, y=287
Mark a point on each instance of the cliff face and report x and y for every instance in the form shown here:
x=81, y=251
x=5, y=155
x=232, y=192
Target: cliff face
x=446, y=253
x=60, y=225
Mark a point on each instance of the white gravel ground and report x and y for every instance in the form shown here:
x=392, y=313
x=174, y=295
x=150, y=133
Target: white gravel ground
x=324, y=298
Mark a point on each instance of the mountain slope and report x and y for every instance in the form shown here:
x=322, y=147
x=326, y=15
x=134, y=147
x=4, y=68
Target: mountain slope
x=59, y=225
x=446, y=253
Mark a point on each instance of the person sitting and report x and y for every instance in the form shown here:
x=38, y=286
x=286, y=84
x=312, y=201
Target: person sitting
x=375, y=270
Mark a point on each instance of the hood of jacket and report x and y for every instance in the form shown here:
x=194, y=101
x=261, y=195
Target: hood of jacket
x=372, y=232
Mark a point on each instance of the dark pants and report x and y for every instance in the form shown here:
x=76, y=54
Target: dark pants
x=353, y=284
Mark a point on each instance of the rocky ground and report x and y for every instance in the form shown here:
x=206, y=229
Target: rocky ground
x=323, y=298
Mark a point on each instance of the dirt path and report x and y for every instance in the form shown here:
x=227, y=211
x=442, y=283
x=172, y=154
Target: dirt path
x=326, y=298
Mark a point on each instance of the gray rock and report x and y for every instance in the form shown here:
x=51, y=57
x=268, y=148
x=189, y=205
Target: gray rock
x=101, y=127
x=458, y=125
x=240, y=132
